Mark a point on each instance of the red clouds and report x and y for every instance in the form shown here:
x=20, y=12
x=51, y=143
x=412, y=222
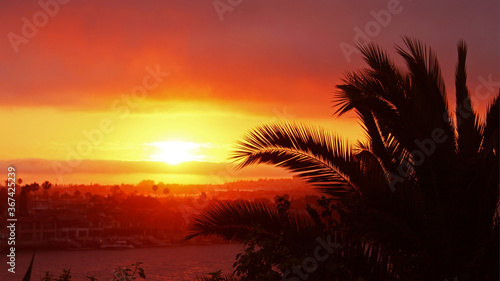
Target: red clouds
x=281, y=52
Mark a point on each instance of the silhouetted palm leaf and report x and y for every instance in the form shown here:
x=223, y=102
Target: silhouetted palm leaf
x=316, y=155
x=467, y=121
x=491, y=128
x=235, y=220
x=27, y=275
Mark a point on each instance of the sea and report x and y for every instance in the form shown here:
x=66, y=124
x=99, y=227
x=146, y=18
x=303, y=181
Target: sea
x=185, y=262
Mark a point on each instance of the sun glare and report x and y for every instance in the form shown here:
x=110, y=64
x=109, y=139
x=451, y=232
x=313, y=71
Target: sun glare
x=175, y=152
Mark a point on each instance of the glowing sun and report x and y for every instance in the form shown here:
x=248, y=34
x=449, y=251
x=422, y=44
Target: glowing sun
x=175, y=152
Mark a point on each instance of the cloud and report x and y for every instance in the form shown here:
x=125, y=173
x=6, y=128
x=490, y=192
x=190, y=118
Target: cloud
x=263, y=52
x=103, y=167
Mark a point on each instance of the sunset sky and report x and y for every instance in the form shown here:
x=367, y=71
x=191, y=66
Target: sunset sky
x=120, y=91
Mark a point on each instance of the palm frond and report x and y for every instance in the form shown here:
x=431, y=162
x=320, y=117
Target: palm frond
x=392, y=82
x=425, y=71
x=27, y=275
x=468, y=129
x=375, y=188
x=491, y=128
x=318, y=156
x=366, y=261
x=429, y=97
x=235, y=220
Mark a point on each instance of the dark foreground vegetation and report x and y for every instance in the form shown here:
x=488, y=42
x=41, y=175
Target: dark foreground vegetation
x=416, y=200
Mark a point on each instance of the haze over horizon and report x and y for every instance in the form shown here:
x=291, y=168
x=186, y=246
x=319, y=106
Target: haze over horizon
x=122, y=91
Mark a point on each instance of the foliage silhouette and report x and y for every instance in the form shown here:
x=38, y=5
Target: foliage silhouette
x=417, y=200
x=46, y=185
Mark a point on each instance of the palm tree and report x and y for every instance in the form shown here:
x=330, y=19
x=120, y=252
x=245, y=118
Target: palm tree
x=46, y=186
x=155, y=188
x=77, y=194
x=19, y=182
x=34, y=187
x=422, y=189
x=24, y=200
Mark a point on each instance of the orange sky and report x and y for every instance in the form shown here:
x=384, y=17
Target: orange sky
x=208, y=80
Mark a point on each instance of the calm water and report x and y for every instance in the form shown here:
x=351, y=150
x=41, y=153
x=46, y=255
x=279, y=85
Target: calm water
x=170, y=263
